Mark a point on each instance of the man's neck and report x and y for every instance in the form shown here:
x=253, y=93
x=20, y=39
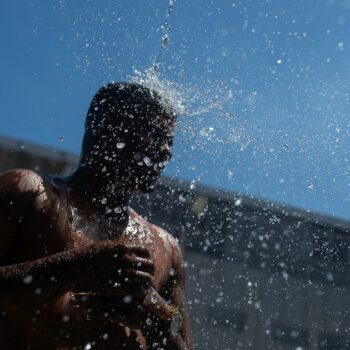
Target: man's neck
x=107, y=200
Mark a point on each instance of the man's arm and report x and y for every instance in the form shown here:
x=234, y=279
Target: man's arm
x=159, y=335
x=16, y=196
x=90, y=268
x=19, y=192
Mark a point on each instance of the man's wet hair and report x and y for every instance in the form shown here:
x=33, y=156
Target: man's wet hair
x=117, y=102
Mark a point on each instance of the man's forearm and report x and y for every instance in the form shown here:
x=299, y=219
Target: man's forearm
x=157, y=328
x=38, y=278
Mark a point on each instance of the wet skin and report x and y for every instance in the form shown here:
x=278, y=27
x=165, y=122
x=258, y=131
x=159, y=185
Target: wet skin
x=77, y=266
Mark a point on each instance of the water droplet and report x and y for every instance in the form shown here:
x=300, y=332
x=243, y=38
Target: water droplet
x=285, y=275
x=137, y=156
x=165, y=40
x=117, y=210
x=127, y=299
x=65, y=318
x=28, y=279
x=330, y=277
x=147, y=161
x=310, y=186
x=340, y=46
x=238, y=202
x=153, y=298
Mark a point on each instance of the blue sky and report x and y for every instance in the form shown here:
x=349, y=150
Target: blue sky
x=276, y=72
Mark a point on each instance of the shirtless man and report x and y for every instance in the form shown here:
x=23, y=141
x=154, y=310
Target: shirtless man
x=78, y=268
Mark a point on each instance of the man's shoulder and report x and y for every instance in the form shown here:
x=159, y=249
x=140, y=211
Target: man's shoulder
x=168, y=239
x=25, y=187
x=20, y=181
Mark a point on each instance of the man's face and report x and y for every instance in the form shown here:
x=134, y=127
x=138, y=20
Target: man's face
x=144, y=146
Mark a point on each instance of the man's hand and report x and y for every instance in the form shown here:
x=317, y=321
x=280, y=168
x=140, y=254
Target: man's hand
x=135, y=311
x=109, y=269
x=103, y=268
x=114, y=280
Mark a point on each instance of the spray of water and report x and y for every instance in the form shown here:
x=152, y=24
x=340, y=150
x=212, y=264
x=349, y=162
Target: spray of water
x=211, y=103
x=184, y=99
x=171, y=96
x=165, y=27
x=201, y=99
x=187, y=99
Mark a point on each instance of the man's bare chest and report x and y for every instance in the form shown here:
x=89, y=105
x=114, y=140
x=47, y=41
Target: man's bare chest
x=137, y=233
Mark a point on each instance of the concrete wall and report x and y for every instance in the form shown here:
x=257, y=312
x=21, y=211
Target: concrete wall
x=259, y=275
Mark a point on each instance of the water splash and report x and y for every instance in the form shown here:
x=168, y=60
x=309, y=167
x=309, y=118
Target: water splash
x=169, y=92
x=213, y=104
x=193, y=99
x=186, y=99
x=165, y=27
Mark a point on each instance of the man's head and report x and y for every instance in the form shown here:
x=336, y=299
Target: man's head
x=128, y=135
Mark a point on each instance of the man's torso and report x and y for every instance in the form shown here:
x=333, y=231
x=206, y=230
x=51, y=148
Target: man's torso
x=52, y=226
